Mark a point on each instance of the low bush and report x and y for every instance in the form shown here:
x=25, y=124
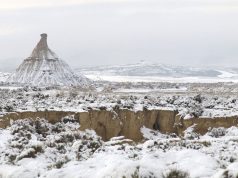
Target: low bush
x=175, y=173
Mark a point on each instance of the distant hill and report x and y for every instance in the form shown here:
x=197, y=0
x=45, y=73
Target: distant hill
x=160, y=70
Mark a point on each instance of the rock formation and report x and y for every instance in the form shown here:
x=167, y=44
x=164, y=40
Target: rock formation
x=106, y=124
x=44, y=68
x=123, y=122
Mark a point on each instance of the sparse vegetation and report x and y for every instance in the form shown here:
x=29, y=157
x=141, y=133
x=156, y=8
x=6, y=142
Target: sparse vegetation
x=175, y=173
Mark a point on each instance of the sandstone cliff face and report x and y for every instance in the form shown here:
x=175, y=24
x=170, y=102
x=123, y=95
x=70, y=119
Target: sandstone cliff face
x=201, y=125
x=126, y=123
x=107, y=124
x=133, y=121
x=166, y=120
x=51, y=116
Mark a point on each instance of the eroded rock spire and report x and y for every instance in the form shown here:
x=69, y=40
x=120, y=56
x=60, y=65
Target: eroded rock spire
x=42, y=51
x=44, y=68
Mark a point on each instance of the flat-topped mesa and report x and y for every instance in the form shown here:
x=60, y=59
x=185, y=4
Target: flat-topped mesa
x=42, y=51
x=44, y=68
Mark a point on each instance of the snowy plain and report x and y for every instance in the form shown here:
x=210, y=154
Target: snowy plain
x=30, y=149
x=67, y=152
x=148, y=79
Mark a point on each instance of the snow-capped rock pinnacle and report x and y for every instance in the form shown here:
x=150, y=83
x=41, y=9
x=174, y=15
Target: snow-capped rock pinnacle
x=41, y=47
x=43, y=67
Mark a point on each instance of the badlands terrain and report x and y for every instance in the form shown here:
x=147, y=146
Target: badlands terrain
x=148, y=126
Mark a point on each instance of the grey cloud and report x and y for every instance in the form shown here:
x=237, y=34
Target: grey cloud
x=196, y=32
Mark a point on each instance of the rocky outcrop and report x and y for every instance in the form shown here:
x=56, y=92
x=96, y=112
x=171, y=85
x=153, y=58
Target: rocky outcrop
x=125, y=122
x=131, y=122
x=107, y=124
x=44, y=68
x=51, y=116
x=202, y=124
x=165, y=121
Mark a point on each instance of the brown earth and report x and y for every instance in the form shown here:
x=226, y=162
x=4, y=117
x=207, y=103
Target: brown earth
x=202, y=124
x=125, y=122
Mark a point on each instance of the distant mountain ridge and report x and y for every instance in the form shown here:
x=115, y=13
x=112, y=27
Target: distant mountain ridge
x=155, y=69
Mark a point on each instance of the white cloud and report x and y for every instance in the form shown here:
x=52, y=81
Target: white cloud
x=18, y=4
x=220, y=5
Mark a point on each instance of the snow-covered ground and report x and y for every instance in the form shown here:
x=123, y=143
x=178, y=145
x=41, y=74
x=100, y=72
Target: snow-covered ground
x=10, y=87
x=154, y=72
x=38, y=149
x=148, y=79
x=183, y=89
x=4, y=76
x=30, y=149
x=213, y=100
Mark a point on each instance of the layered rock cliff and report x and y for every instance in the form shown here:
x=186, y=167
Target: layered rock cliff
x=126, y=123
x=44, y=68
x=107, y=124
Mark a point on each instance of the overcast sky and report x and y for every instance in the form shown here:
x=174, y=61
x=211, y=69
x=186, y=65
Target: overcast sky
x=103, y=32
